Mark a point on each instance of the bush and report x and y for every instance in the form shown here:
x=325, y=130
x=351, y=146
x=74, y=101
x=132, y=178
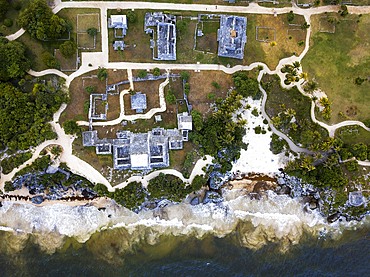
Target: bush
x=156, y=71
x=216, y=85
x=102, y=74
x=90, y=89
x=290, y=16
x=8, y=186
x=68, y=48
x=131, y=196
x=257, y=130
x=198, y=182
x=185, y=75
x=49, y=60
x=142, y=73
x=167, y=186
x=131, y=16
x=71, y=127
x=8, y=164
x=92, y=31
x=170, y=97
x=8, y=22
x=255, y=112
x=246, y=86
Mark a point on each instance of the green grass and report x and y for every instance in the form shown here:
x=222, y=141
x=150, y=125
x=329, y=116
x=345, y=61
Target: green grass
x=336, y=60
x=353, y=134
x=139, y=46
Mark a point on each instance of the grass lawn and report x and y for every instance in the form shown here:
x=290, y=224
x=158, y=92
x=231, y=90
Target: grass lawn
x=87, y=18
x=114, y=108
x=203, y=93
x=336, y=60
x=76, y=109
x=279, y=101
x=175, y=85
x=266, y=34
x=353, y=134
x=85, y=41
x=34, y=51
x=325, y=26
x=86, y=21
x=116, y=76
x=66, y=64
x=208, y=42
x=138, y=43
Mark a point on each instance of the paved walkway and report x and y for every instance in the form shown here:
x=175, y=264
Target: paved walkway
x=92, y=60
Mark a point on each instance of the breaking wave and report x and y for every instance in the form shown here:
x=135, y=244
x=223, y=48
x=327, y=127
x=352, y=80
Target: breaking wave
x=116, y=230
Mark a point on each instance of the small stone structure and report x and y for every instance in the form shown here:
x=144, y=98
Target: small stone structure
x=118, y=45
x=138, y=102
x=232, y=36
x=118, y=22
x=355, y=198
x=93, y=113
x=185, y=124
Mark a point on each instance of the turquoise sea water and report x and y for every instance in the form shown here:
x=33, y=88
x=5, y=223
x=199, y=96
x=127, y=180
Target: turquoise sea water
x=103, y=255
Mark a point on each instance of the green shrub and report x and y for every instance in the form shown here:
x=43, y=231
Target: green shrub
x=8, y=22
x=8, y=164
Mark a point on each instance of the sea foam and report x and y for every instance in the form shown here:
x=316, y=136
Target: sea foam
x=273, y=218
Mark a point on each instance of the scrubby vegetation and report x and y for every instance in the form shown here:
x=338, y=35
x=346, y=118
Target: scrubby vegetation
x=131, y=196
x=167, y=186
x=219, y=135
x=289, y=111
x=24, y=115
x=14, y=161
x=246, y=86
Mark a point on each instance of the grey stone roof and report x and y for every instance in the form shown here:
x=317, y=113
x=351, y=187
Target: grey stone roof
x=185, y=121
x=118, y=45
x=139, y=143
x=138, y=102
x=166, y=42
x=89, y=138
x=232, y=36
x=356, y=198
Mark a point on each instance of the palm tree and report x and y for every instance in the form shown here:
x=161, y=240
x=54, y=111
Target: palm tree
x=303, y=75
x=290, y=112
x=297, y=64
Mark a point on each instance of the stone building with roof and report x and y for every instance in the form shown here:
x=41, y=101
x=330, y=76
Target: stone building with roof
x=232, y=36
x=185, y=124
x=162, y=27
x=138, y=151
x=118, y=22
x=138, y=102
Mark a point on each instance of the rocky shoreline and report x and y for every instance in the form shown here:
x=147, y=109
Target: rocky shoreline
x=29, y=189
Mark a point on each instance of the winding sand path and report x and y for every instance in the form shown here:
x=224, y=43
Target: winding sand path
x=148, y=115
x=91, y=61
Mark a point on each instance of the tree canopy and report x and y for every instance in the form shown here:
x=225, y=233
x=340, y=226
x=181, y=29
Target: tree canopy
x=4, y=5
x=24, y=115
x=246, y=86
x=219, y=135
x=39, y=20
x=71, y=127
x=68, y=48
x=14, y=63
